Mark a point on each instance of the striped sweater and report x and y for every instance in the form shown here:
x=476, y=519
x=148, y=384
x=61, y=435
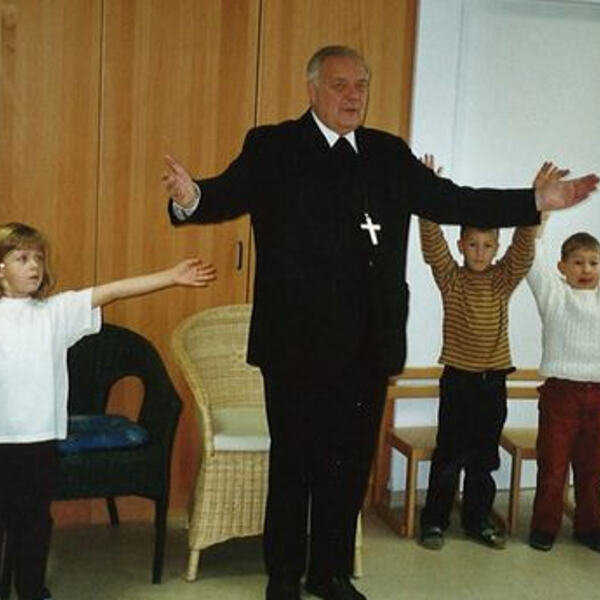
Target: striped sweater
x=475, y=335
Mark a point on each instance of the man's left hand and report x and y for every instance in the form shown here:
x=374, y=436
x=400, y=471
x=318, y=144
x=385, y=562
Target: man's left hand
x=557, y=194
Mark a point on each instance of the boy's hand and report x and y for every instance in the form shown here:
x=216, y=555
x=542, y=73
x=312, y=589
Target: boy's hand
x=429, y=161
x=548, y=172
x=193, y=272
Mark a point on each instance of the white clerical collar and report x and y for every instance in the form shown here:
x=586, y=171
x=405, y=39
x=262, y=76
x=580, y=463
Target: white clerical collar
x=332, y=136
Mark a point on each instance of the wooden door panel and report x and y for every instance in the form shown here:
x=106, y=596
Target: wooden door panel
x=382, y=30
x=178, y=77
x=49, y=89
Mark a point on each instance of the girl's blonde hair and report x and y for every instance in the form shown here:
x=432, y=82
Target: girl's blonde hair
x=17, y=236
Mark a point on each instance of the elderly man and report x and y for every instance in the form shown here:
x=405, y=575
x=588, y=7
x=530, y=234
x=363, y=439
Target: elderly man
x=330, y=203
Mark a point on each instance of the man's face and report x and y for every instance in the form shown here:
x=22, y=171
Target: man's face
x=581, y=269
x=340, y=94
x=479, y=248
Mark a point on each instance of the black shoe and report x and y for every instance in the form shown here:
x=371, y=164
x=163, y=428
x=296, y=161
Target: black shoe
x=282, y=589
x=540, y=540
x=432, y=538
x=45, y=595
x=590, y=539
x=488, y=535
x=336, y=588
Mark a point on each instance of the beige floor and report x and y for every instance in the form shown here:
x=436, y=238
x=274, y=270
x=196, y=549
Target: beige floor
x=100, y=562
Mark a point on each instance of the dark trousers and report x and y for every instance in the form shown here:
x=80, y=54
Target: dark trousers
x=471, y=414
x=569, y=432
x=323, y=436
x=27, y=477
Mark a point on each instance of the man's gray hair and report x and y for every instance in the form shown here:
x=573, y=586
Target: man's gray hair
x=313, y=68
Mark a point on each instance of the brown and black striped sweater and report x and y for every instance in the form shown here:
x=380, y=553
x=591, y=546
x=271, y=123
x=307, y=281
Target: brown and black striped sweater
x=475, y=336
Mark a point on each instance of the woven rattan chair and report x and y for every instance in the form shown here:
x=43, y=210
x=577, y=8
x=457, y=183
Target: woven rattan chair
x=231, y=484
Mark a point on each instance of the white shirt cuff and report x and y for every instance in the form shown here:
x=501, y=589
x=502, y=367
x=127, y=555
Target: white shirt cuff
x=183, y=212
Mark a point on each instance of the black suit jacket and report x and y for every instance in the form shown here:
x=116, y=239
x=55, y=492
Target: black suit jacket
x=322, y=290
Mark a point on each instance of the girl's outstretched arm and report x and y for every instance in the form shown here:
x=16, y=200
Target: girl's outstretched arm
x=191, y=272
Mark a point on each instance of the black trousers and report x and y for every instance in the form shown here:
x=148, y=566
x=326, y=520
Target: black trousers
x=471, y=414
x=27, y=477
x=323, y=435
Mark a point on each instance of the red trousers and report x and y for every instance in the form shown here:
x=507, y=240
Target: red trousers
x=569, y=432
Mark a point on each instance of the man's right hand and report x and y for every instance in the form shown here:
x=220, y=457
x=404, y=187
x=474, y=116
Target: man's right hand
x=178, y=183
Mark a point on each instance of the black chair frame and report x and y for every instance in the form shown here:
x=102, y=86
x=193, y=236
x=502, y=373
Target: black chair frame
x=95, y=364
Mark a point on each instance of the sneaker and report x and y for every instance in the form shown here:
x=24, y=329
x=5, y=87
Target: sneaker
x=489, y=535
x=432, y=538
x=590, y=539
x=540, y=540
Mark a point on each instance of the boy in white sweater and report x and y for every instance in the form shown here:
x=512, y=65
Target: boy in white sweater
x=569, y=406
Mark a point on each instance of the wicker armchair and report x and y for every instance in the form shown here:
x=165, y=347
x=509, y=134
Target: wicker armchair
x=231, y=484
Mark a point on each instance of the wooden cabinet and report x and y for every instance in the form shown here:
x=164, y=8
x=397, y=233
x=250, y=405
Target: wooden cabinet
x=177, y=77
x=49, y=92
x=94, y=93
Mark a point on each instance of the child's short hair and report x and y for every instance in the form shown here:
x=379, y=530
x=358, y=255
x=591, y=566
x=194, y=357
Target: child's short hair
x=579, y=241
x=18, y=236
x=465, y=228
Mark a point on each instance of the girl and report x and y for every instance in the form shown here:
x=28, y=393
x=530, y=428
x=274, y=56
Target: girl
x=35, y=333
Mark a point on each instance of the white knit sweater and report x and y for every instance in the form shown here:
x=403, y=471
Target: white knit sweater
x=570, y=323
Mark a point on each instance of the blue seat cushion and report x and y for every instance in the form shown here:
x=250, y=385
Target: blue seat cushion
x=101, y=432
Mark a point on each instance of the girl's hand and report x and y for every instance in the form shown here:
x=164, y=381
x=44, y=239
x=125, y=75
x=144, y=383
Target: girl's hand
x=193, y=272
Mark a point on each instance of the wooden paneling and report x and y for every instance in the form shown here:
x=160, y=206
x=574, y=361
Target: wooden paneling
x=382, y=30
x=49, y=76
x=93, y=93
x=177, y=77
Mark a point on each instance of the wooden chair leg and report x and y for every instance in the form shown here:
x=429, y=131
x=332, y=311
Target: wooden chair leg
x=192, y=571
x=410, y=495
x=514, y=493
x=358, y=561
x=113, y=513
x=568, y=507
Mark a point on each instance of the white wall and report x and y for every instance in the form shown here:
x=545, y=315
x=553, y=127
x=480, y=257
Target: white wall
x=500, y=86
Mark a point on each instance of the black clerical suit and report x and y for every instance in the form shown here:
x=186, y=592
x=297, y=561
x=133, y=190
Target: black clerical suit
x=330, y=307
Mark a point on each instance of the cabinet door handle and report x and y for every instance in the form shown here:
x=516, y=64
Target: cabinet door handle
x=240, y=255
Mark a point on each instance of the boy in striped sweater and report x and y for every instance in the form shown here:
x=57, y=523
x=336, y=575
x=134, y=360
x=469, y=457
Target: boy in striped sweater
x=476, y=358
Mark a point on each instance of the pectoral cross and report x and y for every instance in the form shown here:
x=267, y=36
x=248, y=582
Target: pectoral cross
x=372, y=228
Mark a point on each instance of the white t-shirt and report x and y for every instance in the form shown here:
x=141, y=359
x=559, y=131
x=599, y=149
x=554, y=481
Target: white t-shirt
x=34, y=338
x=570, y=323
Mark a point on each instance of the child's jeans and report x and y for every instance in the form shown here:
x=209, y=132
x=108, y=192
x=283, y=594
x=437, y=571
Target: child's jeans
x=569, y=432
x=471, y=415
